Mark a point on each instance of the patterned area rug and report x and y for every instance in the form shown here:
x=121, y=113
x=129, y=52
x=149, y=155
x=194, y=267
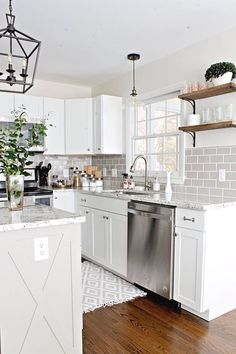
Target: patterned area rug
x=102, y=288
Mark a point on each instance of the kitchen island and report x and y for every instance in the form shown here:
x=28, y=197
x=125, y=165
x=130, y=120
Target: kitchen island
x=40, y=262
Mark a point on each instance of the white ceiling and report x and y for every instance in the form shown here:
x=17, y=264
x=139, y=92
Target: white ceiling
x=86, y=42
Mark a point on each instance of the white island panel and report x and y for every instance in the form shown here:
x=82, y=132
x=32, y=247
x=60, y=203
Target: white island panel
x=40, y=303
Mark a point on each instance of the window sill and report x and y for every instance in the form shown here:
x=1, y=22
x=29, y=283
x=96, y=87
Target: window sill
x=161, y=179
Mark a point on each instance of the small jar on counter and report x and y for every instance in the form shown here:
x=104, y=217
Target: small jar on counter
x=76, y=179
x=84, y=180
x=99, y=183
x=131, y=183
x=125, y=181
x=92, y=182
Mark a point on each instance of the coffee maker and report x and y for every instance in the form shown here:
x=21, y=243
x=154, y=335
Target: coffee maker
x=42, y=172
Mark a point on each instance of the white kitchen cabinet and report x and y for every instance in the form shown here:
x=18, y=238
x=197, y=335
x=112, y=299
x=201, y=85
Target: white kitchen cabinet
x=6, y=106
x=87, y=231
x=64, y=200
x=204, y=259
x=107, y=118
x=78, y=126
x=55, y=139
x=100, y=238
x=188, y=266
x=117, y=238
x=33, y=105
x=105, y=231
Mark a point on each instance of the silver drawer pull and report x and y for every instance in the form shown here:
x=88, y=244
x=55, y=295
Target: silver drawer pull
x=189, y=219
x=83, y=200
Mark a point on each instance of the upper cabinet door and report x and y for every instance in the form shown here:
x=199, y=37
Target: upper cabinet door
x=55, y=139
x=78, y=126
x=33, y=105
x=6, y=106
x=107, y=124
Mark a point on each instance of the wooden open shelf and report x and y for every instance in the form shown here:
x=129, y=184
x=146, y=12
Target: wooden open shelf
x=209, y=126
x=209, y=92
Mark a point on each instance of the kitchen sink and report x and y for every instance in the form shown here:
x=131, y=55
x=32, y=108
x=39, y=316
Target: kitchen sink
x=132, y=192
x=127, y=192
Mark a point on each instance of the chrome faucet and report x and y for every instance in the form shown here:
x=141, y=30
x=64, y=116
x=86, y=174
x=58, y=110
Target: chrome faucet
x=132, y=169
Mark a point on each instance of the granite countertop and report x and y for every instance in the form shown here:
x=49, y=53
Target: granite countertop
x=180, y=200
x=36, y=216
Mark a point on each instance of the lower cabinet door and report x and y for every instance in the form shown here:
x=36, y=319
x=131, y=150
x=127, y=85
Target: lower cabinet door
x=64, y=200
x=189, y=268
x=87, y=232
x=117, y=225
x=100, y=237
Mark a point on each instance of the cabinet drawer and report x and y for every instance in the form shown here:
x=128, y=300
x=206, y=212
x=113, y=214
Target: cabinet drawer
x=111, y=205
x=190, y=219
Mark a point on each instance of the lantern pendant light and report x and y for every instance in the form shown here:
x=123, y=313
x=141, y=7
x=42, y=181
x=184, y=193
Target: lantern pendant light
x=18, y=57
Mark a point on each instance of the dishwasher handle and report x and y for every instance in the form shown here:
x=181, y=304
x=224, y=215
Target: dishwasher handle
x=149, y=215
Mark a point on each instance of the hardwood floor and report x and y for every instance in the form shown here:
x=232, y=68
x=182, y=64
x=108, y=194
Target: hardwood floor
x=147, y=326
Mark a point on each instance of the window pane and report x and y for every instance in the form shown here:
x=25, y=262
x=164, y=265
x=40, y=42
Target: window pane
x=155, y=145
x=140, y=146
x=173, y=106
x=158, y=126
x=171, y=124
x=155, y=162
x=141, y=113
x=170, y=144
x=170, y=163
x=158, y=109
x=141, y=128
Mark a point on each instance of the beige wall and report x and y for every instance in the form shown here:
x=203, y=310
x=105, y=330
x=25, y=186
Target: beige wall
x=188, y=65
x=58, y=90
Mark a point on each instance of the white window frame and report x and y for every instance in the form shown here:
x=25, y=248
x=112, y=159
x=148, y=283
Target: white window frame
x=148, y=98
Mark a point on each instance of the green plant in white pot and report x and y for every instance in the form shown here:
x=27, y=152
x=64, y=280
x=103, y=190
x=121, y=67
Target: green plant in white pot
x=221, y=73
x=14, y=154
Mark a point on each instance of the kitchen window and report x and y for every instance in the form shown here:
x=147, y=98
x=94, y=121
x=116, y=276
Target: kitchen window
x=155, y=135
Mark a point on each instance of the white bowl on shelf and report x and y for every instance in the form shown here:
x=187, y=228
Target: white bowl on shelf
x=223, y=79
x=193, y=119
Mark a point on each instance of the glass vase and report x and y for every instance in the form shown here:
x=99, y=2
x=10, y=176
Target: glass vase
x=15, y=191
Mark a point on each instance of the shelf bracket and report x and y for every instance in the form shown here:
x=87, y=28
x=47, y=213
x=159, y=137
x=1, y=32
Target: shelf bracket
x=193, y=104
x=193, y=135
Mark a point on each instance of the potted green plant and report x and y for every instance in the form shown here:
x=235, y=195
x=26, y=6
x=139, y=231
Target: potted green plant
x=221, y=73
x=15, y=153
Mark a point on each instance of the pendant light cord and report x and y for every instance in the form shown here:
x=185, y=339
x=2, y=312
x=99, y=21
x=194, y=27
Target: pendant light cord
x=133, y=75
x=10, y=7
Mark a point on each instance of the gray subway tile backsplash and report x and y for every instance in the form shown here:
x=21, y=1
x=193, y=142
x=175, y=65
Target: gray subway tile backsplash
x=201, y=169
x=209, y=162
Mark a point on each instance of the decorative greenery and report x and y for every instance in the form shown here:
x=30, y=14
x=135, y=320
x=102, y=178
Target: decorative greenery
x=14, y=151
x=219, y=69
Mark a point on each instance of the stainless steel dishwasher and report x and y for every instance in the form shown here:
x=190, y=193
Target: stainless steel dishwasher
x=151, y=246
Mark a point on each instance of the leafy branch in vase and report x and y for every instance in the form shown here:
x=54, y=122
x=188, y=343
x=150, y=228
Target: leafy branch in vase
x=16, y=150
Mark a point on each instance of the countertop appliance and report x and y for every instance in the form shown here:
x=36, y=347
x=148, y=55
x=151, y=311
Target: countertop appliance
x=151, y=246
x=32, y=193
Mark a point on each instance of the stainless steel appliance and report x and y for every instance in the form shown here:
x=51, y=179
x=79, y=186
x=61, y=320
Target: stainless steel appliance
x=32, y=193
x=151, y=246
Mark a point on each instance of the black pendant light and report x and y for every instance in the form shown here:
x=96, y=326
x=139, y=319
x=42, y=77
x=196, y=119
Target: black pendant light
x=18, y=57
x=133, y=57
